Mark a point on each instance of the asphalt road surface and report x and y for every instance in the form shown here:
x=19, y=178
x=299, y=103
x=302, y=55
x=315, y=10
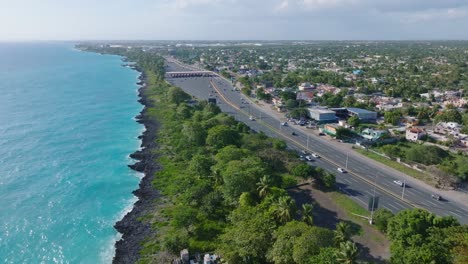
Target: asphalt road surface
x=361, y=179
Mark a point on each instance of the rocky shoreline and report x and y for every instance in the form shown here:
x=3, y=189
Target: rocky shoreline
x=134, y=231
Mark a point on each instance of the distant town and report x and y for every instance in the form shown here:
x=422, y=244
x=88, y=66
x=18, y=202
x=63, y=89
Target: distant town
x=396, y=99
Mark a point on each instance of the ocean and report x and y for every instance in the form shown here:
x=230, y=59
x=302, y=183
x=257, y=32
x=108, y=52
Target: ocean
x=66, y=131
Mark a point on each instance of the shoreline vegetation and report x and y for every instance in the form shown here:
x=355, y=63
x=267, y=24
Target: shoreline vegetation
x=223, y=190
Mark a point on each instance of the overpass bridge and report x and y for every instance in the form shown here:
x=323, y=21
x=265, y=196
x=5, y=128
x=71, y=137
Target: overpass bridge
x=184, y=74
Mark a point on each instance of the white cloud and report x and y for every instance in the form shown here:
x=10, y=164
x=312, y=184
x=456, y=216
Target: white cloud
x=320, y=4
x=187, y=3
x=433, y=15
x=283, y=5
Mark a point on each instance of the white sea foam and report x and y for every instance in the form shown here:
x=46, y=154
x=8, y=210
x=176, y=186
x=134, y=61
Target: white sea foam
x=108, y=253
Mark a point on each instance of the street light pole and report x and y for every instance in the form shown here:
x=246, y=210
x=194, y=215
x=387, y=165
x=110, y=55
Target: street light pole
x=347, y=157
x=373, y=201
x=403, y=192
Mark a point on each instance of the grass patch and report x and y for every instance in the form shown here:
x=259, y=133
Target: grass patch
x=400, y=167
x=348, y=204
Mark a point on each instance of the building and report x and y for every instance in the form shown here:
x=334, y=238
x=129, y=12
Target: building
x=305, y=96
x=414, y=134
x=447, y=128
x=372, y=135
x=322, y=114
x=363, y=114
x=330, y=129
x=357, y=72
x=305, y=87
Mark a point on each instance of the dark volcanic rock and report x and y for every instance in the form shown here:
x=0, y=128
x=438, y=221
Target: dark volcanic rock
x=133, y=231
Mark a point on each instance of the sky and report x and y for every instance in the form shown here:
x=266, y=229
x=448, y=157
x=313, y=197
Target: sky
x=25, y=20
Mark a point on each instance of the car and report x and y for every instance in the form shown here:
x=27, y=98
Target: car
x=251, y=118
x=315, y=155
x=304, y=152
x=341, y=170
x=309, y=158
x=398, y=182
x=321, y=134
x=436, y=197
x=294, y=134
x=301, y=157
x=284, y=124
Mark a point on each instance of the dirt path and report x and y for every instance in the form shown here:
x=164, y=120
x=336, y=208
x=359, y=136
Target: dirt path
x=373, y=245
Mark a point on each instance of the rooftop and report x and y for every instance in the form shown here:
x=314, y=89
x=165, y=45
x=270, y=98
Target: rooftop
x=321, y=110
x=359, y=110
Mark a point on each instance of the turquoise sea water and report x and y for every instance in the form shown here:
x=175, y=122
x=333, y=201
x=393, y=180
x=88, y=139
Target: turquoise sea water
x=66, y=130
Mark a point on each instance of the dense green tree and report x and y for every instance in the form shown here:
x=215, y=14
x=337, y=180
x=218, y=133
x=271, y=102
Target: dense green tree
x=285, y=238
x=392, y=151
x=381, y=218
x=299, y=113
x=302, y=170
x=249, y=236
x=329, y=180
x=310, y=243
x=327, y=255
x=291, y=104
x=221, y=136
x=183, y=217
x=415, y=237
x=343, y=133
x=287, y=95
x=342, y=233
x=354, y=121
x=176, y=95
x=392, y=117
x=347, y=253
x=241, y=176
x=284, y=209
x=246, y=199
x=264, y=186
x=200, y=165
x=194, y=133
x=349, y=101
x=426, y=154
x=306, y=216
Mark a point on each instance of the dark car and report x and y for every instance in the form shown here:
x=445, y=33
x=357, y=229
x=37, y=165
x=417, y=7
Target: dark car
x=294, y=134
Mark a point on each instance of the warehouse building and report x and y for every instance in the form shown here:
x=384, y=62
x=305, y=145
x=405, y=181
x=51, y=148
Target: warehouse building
x=322, y=115
x=363, y=114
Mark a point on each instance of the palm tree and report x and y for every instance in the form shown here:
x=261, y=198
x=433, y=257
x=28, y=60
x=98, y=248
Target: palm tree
x=264, y=186
x=342, y=232
x=347, y=253
x=284, y=209
x=307, y=214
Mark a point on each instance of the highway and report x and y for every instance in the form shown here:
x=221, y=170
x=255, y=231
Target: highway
x=362, y=178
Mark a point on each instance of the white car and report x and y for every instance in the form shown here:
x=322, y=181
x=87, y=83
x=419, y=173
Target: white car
x=284, y=124
x=341, y=170
x=251, y=118
x=315, y=155
x=309, y=158
x=398, y=183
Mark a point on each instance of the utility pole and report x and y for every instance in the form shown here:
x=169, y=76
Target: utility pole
x=347, y=157
x=403, y=192
x=372, y=211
